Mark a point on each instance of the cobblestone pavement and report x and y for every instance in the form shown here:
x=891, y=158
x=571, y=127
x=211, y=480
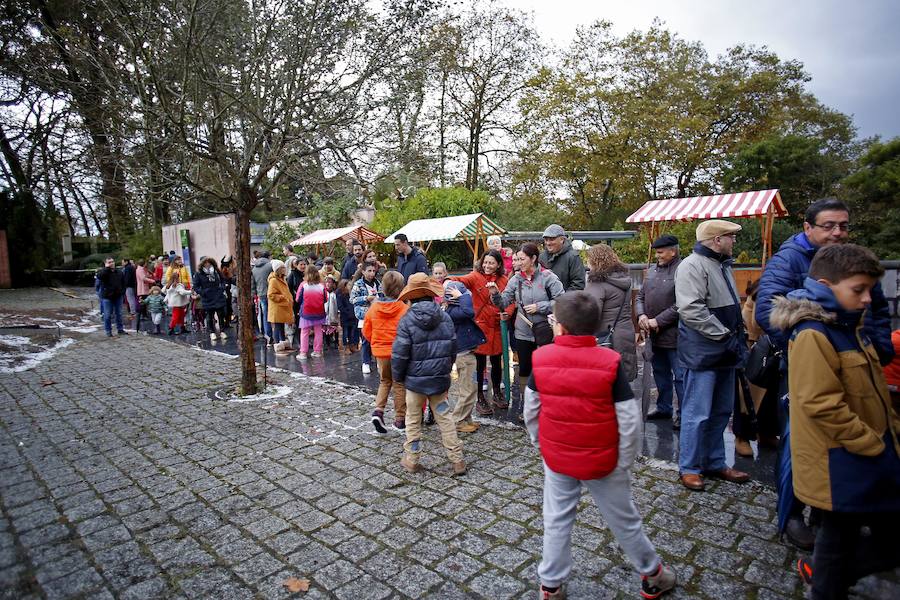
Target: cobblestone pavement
x=122, y=477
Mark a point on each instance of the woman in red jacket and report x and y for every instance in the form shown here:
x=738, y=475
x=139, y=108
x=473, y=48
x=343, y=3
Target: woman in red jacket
x=487, y=317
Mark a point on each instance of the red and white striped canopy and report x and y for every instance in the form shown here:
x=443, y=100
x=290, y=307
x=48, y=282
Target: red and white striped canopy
x=744, y=204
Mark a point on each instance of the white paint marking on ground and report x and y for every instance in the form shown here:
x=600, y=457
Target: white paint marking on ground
x=31, y=359
x=274, y=391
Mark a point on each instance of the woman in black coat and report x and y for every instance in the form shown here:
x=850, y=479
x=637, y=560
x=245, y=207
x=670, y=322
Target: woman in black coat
x=209, y=285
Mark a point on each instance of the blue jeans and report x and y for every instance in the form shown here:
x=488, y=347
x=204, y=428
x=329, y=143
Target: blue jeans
x=665, y=367
x=110, y=306
x=265, y=327
x=708, y=402
x=366, y=349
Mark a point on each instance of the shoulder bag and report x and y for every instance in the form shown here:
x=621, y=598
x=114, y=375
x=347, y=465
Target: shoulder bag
x=607, y=340
x=763, y=363
x=541, y=330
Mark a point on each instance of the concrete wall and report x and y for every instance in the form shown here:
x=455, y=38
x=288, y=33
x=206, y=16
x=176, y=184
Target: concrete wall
x=208, y=237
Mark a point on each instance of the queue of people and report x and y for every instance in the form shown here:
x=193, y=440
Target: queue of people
x=818, y=311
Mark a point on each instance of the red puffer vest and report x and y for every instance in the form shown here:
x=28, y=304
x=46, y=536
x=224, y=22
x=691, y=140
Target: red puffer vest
x=578, y=430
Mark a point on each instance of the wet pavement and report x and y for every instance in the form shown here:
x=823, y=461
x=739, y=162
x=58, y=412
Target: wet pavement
x=123, y=476
x=660, y=440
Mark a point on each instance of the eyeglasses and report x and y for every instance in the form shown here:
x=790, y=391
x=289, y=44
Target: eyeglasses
x=829, y=226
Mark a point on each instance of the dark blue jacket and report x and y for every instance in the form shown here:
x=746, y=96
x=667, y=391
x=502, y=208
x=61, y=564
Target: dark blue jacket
x=345, y=308
x=210, y=288
x=414, y=263
x=349, y=268
x=468, y=335
x=424, y=349
x=786, y=271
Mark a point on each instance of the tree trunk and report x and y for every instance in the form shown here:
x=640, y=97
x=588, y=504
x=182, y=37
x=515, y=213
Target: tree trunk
x=245, y=300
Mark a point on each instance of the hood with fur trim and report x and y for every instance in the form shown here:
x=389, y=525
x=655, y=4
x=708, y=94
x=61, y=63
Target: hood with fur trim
x=813, y=302
x=787, y=312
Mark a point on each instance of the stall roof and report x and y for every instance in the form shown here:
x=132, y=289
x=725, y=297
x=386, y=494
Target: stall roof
x=461, y=227
x=744, y=204
x=326, y=236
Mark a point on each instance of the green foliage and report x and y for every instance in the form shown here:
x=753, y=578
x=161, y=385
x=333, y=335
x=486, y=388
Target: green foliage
x=874, y=196
x=32, y=236
x=802, y=168
x=142, y=244
x=430, y=203
x=278, y=235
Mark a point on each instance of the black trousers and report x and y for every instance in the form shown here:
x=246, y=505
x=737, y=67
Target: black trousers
x=850, y=546
x=211, y=313
x=496, y=371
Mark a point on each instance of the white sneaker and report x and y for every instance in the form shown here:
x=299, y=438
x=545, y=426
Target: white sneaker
x=301, y=356
x=222, y=336
x=366, y=369
x=212, y=337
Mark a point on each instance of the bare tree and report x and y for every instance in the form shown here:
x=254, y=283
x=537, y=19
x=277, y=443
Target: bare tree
x=246, y=90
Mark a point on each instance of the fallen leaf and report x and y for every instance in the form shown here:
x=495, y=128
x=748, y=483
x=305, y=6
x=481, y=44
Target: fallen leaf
x=296, y=585
x=46, y=382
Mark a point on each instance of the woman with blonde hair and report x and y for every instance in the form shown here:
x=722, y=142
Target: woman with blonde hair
x=609, y=282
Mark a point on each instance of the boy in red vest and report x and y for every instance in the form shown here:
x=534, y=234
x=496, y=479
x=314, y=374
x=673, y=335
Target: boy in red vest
x=581, y=413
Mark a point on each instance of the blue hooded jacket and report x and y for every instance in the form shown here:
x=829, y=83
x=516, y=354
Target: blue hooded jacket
x=787, y=271
x=468, y=335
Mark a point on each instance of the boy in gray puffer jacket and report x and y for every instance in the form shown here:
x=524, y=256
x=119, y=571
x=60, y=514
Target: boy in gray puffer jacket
x=422, y=357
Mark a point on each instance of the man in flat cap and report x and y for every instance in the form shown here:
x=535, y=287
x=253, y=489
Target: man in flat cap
x=711, y=345
x=658, y=317
x=562, y=259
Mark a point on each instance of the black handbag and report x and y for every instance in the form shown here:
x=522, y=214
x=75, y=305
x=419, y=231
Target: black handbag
x=763, y=363
x=607, y=340
x=541, y=330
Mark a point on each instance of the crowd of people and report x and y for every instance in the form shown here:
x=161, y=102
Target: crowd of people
x=799, y=366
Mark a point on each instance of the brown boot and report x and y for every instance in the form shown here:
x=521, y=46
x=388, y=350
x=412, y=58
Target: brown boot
x=742, y=447
x=482, y=406
x=499, y=399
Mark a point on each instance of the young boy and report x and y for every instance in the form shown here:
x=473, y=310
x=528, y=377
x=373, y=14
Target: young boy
x=423, y=354
x=581, y=413
x=844, y=448
x=459, y=305
x=380, y=328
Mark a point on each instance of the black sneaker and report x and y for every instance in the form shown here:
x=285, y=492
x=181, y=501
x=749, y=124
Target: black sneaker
x=378, y=421
x=800, y=534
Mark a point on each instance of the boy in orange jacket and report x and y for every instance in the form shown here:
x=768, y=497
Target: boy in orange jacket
x=380, y=328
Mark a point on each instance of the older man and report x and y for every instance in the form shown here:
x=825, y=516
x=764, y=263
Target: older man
x=410, y=259
x=711, y=345
x=658, y=316
x=826, y=222
x=562, y=259
x=112, y=293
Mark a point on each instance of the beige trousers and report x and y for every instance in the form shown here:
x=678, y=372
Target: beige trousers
x=385, y=386
x=442, y=416
x=468, y=388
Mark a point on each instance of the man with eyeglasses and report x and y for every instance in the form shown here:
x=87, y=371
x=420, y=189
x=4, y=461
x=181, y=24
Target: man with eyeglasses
x=827, y=222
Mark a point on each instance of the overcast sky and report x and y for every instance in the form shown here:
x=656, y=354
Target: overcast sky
x=851, y=49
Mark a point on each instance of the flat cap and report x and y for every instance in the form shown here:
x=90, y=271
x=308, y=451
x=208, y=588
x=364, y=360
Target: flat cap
x=554, y=231
x=665, y=241
x=707, y=230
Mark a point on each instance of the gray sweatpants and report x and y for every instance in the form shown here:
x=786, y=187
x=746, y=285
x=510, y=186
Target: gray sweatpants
x=612, y=494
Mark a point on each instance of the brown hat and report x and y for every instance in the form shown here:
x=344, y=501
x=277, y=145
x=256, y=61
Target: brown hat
x=707, y=230
x=418, y=285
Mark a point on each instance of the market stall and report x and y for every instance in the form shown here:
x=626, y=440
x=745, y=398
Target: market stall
x=324, y=240
x=764, y=206
x=472, y=229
